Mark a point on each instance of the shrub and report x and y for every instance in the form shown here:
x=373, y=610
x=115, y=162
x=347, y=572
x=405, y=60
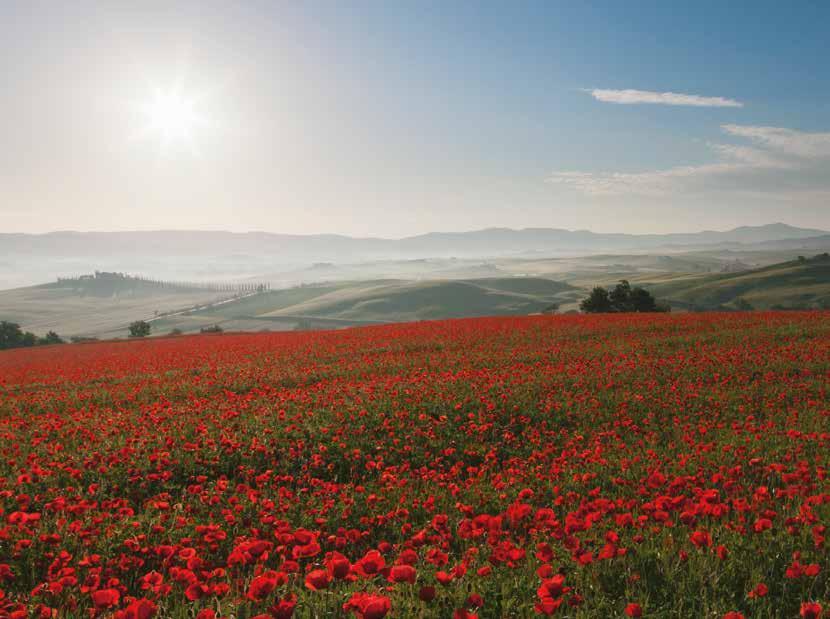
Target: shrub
x=623, y=298
x=51, y=338
x=139, y=328
x=12, y=336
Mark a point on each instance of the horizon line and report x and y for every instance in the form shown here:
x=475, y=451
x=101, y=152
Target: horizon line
x=387, y=238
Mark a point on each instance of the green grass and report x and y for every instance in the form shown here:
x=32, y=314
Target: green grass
x=378, y=301
x=686, y=281
x=793, y=284
x=400, y=301
x=69, y=311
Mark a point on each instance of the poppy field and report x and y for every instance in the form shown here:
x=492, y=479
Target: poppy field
x=566, y=466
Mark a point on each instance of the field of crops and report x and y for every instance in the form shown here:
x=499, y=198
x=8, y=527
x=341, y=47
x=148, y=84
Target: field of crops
x=572, y=466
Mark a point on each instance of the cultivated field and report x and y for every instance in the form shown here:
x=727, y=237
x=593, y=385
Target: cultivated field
x=378, y=301
x=70, y=313
x=573, y=466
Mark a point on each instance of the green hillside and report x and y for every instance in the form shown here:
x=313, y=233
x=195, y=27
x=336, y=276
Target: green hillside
x=104, y=305
x=435, y=299
x=94, y=309
x=795, y=284
x=377, y=301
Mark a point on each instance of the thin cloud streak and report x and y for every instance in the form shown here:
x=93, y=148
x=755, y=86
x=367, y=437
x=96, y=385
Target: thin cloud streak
x=794, y=157
x=632, y=97
x=789, y=141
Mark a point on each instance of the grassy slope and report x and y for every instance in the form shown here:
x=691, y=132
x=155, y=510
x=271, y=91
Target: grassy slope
x=376, y=301
x=789, y=284
x=398, y=301
x=69, y=312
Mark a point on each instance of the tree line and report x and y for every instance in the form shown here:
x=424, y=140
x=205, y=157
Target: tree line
x=142, y=328
x=12, y=336
x=111, y=278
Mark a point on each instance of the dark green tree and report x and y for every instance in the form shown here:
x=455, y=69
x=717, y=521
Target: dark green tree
x=623, y=298
x=11, y=336
x=641, y=301
x=51, y=338
x=620, y=297
x=597, y=302
x=139, y=328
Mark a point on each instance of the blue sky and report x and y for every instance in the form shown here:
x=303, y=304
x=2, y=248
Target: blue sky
x=395, y=118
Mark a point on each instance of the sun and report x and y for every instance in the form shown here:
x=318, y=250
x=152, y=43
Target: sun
x=173, y=117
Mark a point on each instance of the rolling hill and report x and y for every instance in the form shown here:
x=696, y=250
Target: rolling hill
x=686, y=281
x=96, y=307
x=32, y=258
x=377, y=301
x=796, y=284
x=399, y=301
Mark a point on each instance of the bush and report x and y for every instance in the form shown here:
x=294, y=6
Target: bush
x=211, y=329
x=51, y=338
x=623, y=298
x=597, y=302
x=139, y=328
x=80, y=339
x=12, y=336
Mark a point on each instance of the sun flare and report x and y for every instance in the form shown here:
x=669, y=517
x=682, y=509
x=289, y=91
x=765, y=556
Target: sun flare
x=173, y=117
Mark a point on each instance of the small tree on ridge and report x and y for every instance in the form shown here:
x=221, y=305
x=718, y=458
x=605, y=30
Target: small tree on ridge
x=139, y=328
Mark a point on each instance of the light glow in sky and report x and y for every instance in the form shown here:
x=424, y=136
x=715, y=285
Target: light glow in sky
x=172, y=116
x=392, y=119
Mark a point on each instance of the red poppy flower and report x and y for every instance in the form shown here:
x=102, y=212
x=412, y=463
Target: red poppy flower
x=262, y=586
x=810, y=610
x=140, y=609
x=105, y=598
x=427, y=594
x=317, y=579
x=368, y=606
x=701, y=539
x=402, y=573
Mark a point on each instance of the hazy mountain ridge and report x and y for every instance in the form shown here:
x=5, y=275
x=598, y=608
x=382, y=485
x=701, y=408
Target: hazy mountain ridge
x=483, y=242
x=284, y=259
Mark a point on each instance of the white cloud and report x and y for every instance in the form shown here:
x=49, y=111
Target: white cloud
x=748, y=156
x=785, y=160
x=789, y=141
x=628, y=97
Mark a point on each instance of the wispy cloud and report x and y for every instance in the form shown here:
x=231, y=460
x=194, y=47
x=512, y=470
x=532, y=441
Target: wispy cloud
x=780, y=160
x=789, y=141
x=630, y=97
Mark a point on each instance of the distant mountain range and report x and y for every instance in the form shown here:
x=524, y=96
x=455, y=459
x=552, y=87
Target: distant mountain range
x=27, y=259
x=317, y=247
